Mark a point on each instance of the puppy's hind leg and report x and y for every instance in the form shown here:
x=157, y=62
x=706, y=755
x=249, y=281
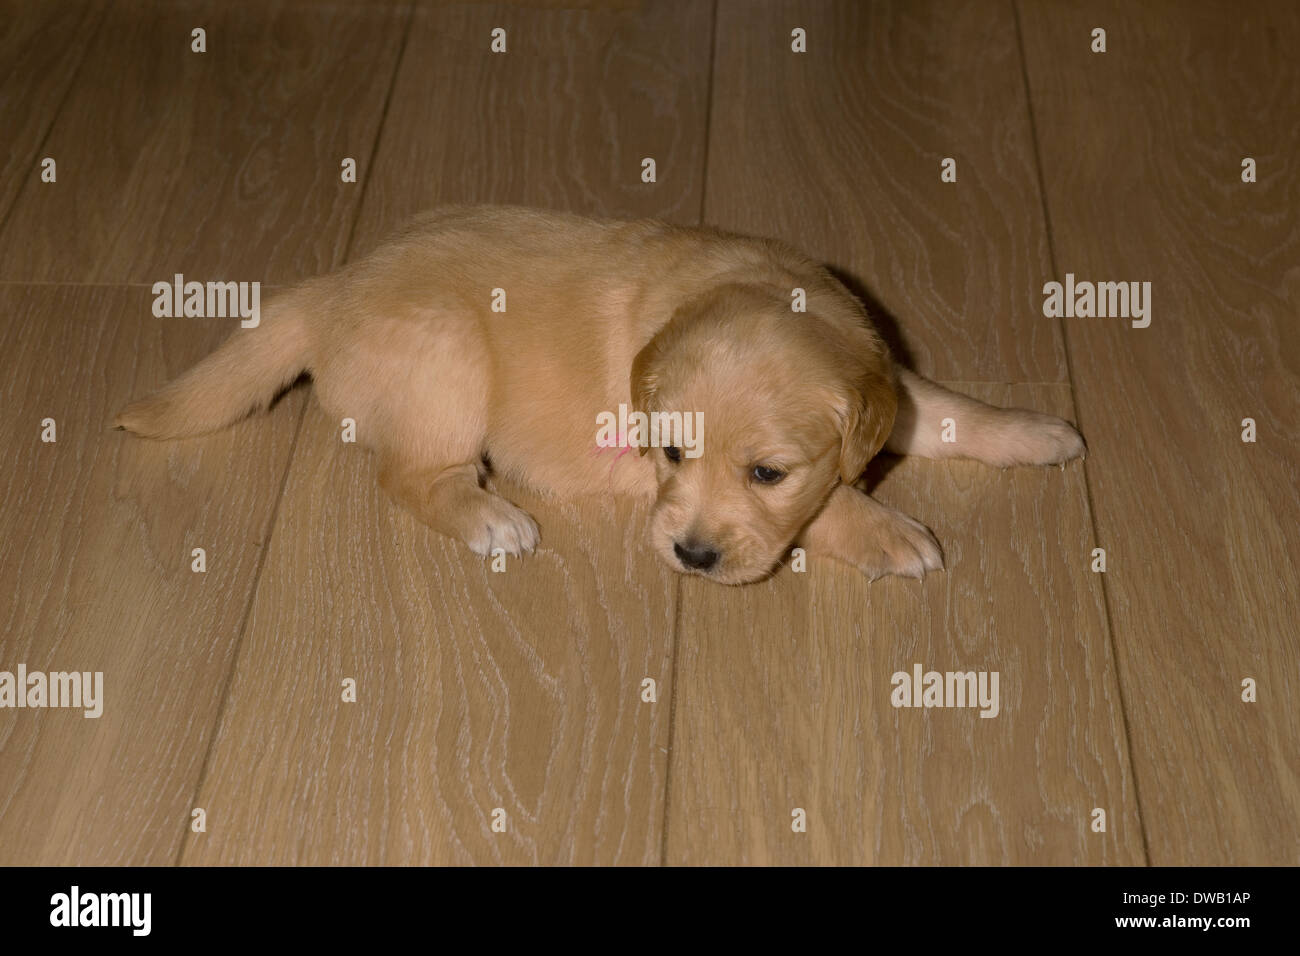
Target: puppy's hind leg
x=417, y=377
x=997, y=436
x=452, y=500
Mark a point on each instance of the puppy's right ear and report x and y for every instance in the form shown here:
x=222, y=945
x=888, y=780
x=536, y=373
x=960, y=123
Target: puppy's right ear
x=867, y=415
x=646, y=369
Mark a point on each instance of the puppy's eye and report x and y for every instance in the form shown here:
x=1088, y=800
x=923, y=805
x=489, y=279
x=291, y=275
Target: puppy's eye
x=672, y=453
x=767, y=476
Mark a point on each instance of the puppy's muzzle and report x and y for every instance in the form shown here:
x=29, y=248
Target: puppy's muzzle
x=695, y=556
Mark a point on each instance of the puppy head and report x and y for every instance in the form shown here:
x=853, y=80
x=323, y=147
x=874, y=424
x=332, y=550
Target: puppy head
x=788, y=406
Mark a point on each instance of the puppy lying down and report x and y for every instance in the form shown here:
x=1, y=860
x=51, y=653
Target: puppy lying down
x=599, y=314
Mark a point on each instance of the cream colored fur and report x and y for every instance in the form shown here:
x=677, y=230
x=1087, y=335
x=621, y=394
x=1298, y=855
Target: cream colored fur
x=598, y=314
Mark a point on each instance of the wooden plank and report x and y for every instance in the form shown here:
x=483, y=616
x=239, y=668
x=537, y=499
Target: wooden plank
x=220, y=165
x=838, y=150
x=41, y=46
x=783, y=696
x=544, y=124
x=99, y=529
x=784, y=692
x=476, y=690
x=1142, y=149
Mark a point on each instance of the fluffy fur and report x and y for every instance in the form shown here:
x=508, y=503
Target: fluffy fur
x=598, y=314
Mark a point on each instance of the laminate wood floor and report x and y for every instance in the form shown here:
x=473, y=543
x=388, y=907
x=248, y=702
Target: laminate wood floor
x=518, y=696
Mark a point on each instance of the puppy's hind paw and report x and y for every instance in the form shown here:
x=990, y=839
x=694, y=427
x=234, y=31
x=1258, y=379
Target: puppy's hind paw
x=1059, y=442
x=1036, y=439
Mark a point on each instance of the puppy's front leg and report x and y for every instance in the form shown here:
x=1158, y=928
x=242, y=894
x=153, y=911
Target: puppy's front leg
x=450, y=499
x=877, y=540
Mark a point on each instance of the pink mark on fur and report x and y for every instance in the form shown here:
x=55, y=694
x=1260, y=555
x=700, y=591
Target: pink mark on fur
x=601, y=449
x=623, y=449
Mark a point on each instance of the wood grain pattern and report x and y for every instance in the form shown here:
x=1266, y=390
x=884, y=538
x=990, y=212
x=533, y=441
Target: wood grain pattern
x=99, y=577
x=838, y=150
x=209, y=164
x=1142, y=150
x=41, y=46
x=522, y=690
x=783, y=696
x=477, y=690
x=560, y=121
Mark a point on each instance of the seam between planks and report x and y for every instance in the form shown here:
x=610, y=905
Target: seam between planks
x=54, y=114
x=677, y=584
x=243, y=634
x=1074, y=401
x=379, y=132
x=288, y=467
x=672, y=717
x=708, y=113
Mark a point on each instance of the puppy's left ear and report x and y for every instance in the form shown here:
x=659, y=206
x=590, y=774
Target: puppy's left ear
x=868, y=406
x=645, y=378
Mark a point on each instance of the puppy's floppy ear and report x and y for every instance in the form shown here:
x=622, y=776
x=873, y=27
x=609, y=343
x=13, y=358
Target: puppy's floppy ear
x=868, y=405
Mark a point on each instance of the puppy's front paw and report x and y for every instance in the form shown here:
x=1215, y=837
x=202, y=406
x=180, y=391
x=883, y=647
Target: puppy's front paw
x=499, y=524
x=898, y=545
x=873, y=537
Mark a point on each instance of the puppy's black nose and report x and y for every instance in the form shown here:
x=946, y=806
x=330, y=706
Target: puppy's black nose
x=697, y=557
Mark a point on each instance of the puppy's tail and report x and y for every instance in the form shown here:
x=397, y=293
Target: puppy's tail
x=245, y=374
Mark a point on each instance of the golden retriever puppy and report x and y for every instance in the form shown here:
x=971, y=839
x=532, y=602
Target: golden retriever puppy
x=488, y=340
